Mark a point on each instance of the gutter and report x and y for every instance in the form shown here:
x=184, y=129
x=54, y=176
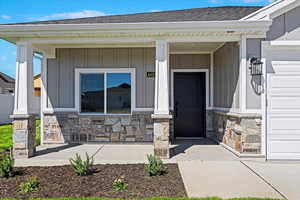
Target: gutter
x=6, y=29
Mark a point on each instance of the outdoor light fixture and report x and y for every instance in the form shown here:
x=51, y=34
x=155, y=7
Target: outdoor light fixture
x=255, y=66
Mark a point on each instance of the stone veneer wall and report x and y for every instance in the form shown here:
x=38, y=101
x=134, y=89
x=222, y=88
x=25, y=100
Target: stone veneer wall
x=71, y=127
x=238, y=131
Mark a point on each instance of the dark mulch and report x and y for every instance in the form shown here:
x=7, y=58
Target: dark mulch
x=62, y=182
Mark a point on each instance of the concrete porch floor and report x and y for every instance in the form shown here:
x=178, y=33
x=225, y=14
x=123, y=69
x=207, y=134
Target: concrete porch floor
x=183, y=150
x=207, y=169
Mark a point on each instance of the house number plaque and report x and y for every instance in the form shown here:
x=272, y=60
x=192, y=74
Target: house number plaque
x=150, y=74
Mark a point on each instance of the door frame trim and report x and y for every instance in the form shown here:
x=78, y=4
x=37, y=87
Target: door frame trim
x=191, y=70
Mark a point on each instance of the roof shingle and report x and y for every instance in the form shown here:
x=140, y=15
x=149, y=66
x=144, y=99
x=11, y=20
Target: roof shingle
x=196, y=14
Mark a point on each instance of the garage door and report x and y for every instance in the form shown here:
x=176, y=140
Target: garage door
x=283, y=106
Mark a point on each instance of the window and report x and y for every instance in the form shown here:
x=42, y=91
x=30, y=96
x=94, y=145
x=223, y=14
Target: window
x=105, y=91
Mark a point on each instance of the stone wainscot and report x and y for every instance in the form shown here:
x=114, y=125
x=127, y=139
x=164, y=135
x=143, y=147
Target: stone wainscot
x=241, y=132
x=74, y=128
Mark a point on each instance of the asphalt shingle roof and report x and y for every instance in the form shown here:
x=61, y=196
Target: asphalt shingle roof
x=195, y=14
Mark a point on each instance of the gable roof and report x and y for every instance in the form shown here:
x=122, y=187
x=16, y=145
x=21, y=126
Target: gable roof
x=6, y=78
x=273, y=10
x=225, y=13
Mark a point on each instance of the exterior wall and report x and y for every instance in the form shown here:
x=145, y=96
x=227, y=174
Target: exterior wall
x=253, y=99
x=6, y=88
x=188, y=61
x=286, y=26
x=240, y=132
x=226, y=73
x=6, y=108
x=71, y=127
x=61, y=72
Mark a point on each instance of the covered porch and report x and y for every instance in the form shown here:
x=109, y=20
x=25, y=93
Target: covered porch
x=152, y=62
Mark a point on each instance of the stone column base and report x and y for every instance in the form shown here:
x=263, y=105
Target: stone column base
x=162, y=135
x=23, y=136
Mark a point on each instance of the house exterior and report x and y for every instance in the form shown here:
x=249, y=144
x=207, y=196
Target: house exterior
x=37, y=85
x=228, y=73
x=7, y=84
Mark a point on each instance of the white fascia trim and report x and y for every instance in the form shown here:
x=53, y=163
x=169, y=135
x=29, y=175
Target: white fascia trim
x=264, y=9
x=273, y=10
x=192, y=70
x=285, y=43
x=136, y=26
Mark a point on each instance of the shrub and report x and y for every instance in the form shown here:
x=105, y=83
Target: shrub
x=6, y=166
x=120, y=185
x=82, y=167
x=155, y=166
x=31, y=185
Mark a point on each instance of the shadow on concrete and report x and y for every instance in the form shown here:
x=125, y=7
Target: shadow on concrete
x=180, y=146
x=54, y=149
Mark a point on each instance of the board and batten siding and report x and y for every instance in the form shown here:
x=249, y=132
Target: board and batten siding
x=285, y=26
x=226, y=75
x=254, y=84
x=61, y=71
x=189, y=61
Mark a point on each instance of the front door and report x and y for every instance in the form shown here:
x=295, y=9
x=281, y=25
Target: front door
x=189, y=104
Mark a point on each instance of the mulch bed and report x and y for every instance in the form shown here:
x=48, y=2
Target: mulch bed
x=63, y=182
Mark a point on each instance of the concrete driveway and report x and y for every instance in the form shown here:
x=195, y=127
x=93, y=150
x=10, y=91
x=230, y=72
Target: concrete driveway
x=284, y=176
x=207, y=169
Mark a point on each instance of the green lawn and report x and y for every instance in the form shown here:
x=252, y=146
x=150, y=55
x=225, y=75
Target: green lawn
x=6, y=135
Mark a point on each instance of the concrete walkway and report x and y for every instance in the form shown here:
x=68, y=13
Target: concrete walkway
x=207, y=169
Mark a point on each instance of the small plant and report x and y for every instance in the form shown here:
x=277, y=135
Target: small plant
x=119, y=185
x=155, y=166
x=31, y=185
x=82, y=167
x=7, y=166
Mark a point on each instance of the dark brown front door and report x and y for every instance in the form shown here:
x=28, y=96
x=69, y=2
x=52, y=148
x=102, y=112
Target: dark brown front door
x=189, y=104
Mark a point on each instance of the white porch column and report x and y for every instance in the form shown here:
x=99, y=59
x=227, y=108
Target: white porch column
x=162, y=78
x=243, y=73
x=24, y=90
x=161, y=116
x=24, y=120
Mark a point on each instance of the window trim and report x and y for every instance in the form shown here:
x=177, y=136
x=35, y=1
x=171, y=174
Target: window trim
x=79, y=71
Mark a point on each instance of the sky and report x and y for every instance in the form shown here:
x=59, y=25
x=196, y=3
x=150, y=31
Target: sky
x=12, y=11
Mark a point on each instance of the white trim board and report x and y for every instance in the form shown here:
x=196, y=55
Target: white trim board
x=104, y=71
x=191, y=70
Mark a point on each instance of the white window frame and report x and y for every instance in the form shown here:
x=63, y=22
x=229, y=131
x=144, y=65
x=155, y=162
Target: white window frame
x=79, y=71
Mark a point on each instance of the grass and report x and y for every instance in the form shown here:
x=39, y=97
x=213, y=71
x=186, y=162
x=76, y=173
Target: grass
x=154, y=198
x=6, y=135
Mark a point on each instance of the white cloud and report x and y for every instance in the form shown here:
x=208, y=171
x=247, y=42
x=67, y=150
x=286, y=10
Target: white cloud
x=5, y=17
x=154, y=10
x=70, y=15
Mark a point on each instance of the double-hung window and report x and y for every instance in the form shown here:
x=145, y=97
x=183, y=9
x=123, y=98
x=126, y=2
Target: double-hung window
x=105, y=91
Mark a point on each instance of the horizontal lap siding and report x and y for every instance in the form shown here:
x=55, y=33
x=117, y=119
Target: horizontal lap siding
x=61, y=72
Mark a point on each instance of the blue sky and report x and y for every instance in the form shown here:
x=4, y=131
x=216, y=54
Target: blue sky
x=12, y=11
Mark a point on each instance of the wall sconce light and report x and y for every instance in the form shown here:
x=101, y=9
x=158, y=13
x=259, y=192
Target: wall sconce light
x=255, y=67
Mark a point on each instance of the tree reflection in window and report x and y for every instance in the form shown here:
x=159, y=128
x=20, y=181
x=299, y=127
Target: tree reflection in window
x=118, y=93
x=92, y=93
